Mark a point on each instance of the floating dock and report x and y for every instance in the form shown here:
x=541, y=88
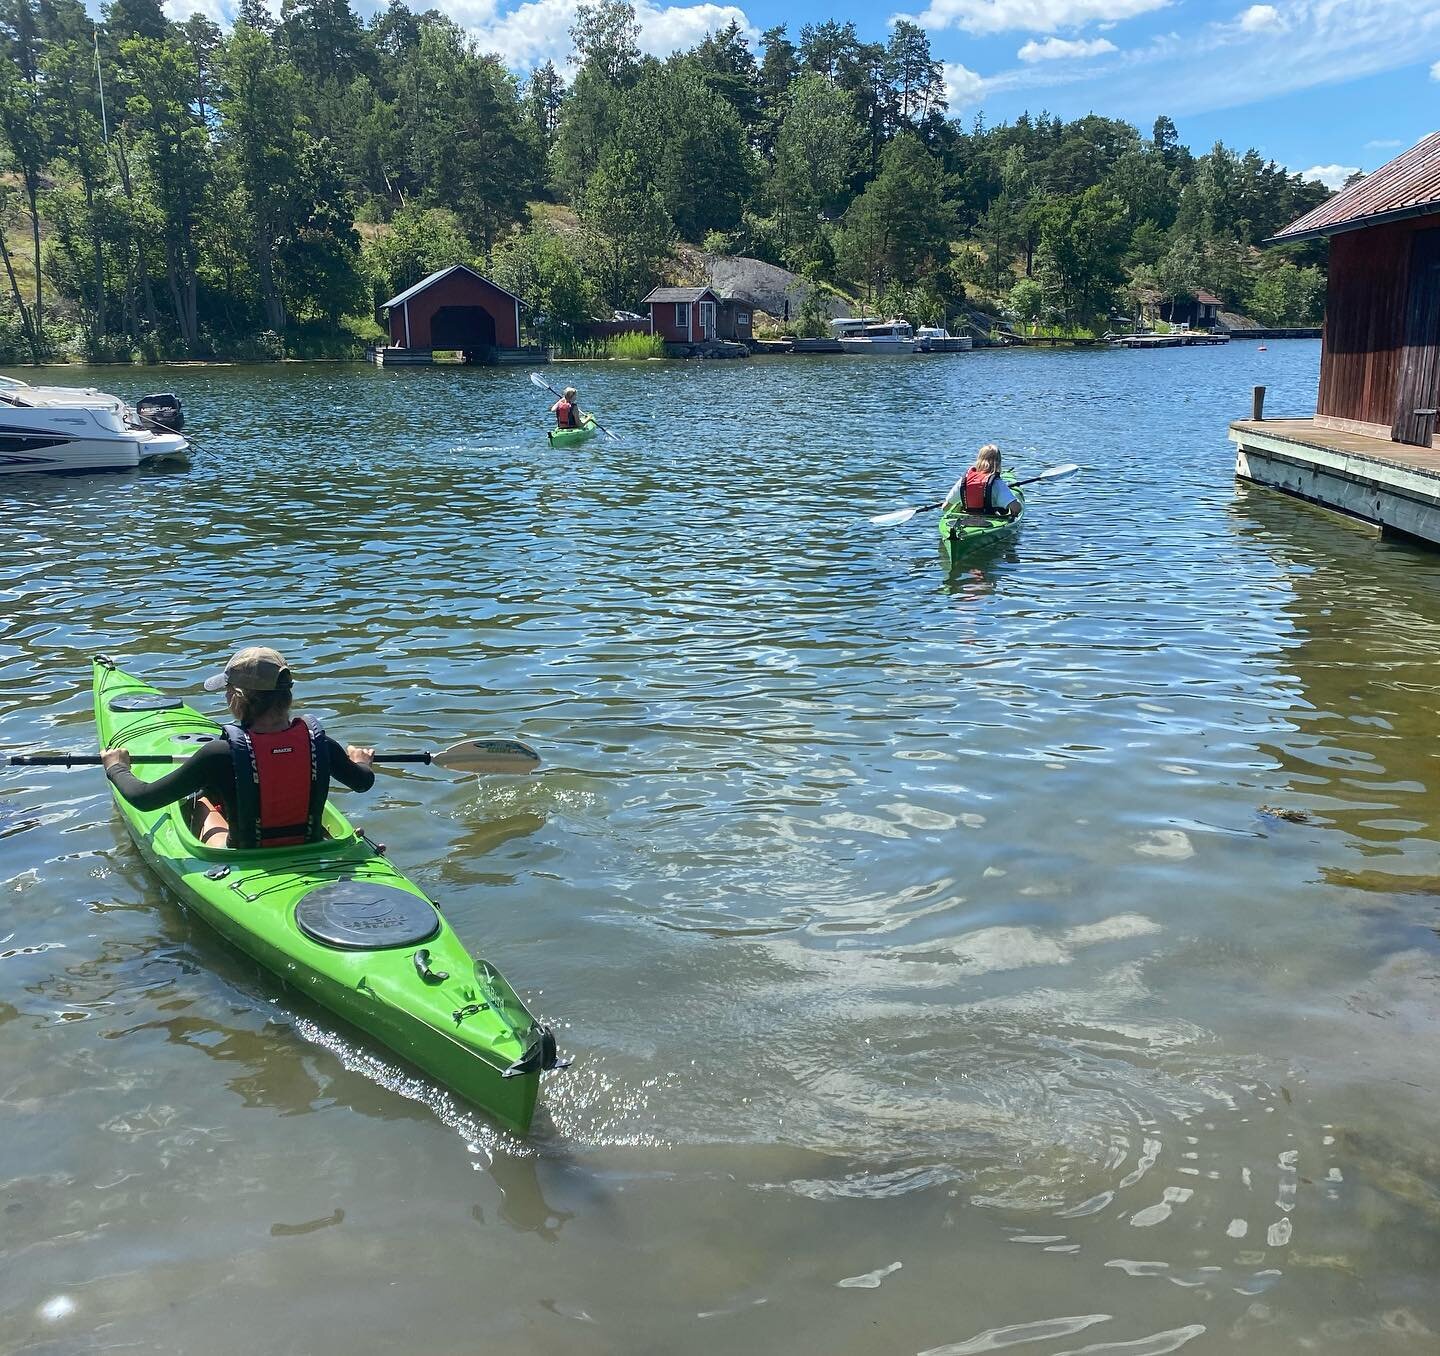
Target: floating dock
x=1391, y=485
x=1195, y=339
x=395, y=356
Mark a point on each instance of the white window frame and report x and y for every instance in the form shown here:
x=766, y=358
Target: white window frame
x=682, y=315
x=707, y=312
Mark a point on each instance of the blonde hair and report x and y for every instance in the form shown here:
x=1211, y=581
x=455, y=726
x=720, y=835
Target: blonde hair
x=570, y=393
x=988, y=459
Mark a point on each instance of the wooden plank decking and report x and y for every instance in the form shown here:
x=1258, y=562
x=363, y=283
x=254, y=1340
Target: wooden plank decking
x=1392, y=485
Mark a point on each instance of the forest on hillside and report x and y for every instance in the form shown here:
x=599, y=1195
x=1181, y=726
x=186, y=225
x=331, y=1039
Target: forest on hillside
x=172, y=190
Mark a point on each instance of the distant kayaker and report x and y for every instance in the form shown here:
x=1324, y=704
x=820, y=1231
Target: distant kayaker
x=982, y=488
x=567, y=411
x=264, y=783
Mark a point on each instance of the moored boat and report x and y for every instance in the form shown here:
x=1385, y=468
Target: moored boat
x=66, y=428
x=337, y=922
x=573, y=437
x=961, y=532
x=865, y=334
x=937, y=339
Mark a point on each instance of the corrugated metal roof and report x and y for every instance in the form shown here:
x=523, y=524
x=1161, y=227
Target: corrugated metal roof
x=1406, y=186
x=435, y=277
x=663, y=294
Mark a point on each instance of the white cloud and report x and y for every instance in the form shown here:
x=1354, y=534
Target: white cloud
x=1033, y=16
x=1389, y=144
x=962, y=86
x=1435, y=71
x=1260, y=17
x=1318, y=43
x=1332, y=176
x=1058, y=49
x=676, y=27
x=539, y=30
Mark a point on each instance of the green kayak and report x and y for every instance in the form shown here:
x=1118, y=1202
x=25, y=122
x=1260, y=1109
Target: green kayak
x=573, y=437
x=337, y=922
x=961, y=531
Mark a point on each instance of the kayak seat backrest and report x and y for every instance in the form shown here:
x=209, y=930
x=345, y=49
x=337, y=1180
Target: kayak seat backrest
x=362, y=915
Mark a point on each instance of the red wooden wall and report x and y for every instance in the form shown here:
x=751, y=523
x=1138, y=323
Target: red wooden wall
x=456, y=289
x=1365, y=309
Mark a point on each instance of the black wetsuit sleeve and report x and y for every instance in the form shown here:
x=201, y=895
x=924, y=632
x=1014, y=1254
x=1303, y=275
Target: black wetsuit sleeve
x=345, y=772
x=208, y=769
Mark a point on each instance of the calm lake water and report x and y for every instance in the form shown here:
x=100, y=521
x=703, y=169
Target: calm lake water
x=934, y=978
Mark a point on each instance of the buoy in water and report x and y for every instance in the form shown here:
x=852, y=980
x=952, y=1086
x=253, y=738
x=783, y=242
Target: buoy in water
x=1261, y=349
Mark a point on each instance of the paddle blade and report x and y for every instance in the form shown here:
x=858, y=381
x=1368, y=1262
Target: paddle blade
x=895, y=518
x=488, y=756
x=537, y=380
x=1059, y=472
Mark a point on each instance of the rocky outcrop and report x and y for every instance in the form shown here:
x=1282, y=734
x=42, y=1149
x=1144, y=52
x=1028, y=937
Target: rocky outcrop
x=766, y=287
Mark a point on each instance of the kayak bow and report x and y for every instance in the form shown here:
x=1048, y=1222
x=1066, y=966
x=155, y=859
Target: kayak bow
x=336, y=921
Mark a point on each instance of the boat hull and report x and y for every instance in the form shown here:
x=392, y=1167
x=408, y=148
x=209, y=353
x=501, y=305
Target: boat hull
x=454, y=1018
x=28, y=451
x=877, y=347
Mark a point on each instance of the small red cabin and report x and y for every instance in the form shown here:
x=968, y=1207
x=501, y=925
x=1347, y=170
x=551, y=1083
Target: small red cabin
x=455, y=308
x=683, y=315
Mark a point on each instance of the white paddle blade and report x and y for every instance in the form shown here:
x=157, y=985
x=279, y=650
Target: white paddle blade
x=488, y=756
x=895, y=518
x=537, y=380
x=1059, y=472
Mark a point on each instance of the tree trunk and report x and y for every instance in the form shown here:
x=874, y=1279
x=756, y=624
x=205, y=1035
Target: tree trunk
x=25, y=321
x=38, y=328
x=98, y=255
x=269, y=293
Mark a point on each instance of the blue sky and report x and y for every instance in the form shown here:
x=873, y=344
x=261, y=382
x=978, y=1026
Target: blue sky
x=1328, y=85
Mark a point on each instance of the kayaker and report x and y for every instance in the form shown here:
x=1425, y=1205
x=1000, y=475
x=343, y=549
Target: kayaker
x=982, y=489
x=285, y=764
x=567, y=411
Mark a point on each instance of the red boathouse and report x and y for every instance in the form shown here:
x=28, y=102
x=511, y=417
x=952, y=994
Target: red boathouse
x=455, y=309
x=683, y=315
x=1380, y=361
x=1371, y=449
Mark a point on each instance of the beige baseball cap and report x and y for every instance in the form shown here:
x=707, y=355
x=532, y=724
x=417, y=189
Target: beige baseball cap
x=256, y=668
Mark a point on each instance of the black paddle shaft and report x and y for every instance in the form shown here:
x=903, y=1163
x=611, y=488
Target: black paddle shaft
x=940, y=503
x=94, y=759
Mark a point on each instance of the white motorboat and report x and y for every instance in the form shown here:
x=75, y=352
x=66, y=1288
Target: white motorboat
x=934, y=339
x=66, y=428
x=865, y=334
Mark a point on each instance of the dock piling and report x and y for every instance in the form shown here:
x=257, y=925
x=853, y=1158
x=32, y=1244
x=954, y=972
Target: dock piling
x=1257, y=404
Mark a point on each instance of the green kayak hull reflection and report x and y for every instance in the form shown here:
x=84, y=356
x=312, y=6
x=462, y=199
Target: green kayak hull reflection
x=337, y=922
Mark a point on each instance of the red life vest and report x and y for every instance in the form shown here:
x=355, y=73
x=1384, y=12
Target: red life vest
x=281, y=784
x=566, y=414
x=975, y=491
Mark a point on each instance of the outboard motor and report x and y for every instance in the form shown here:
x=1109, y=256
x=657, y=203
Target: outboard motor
x=162, y=410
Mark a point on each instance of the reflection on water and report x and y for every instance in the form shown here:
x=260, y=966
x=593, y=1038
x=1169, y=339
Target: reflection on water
x=933, y=957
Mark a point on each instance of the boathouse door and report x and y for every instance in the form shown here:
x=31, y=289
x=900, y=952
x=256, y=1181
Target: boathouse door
x=470, y=329
x=1418, y=380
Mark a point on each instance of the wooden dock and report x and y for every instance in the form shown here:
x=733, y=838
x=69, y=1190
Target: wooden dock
x=393, y=356
x=1183, y=339
x=1391, y=485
